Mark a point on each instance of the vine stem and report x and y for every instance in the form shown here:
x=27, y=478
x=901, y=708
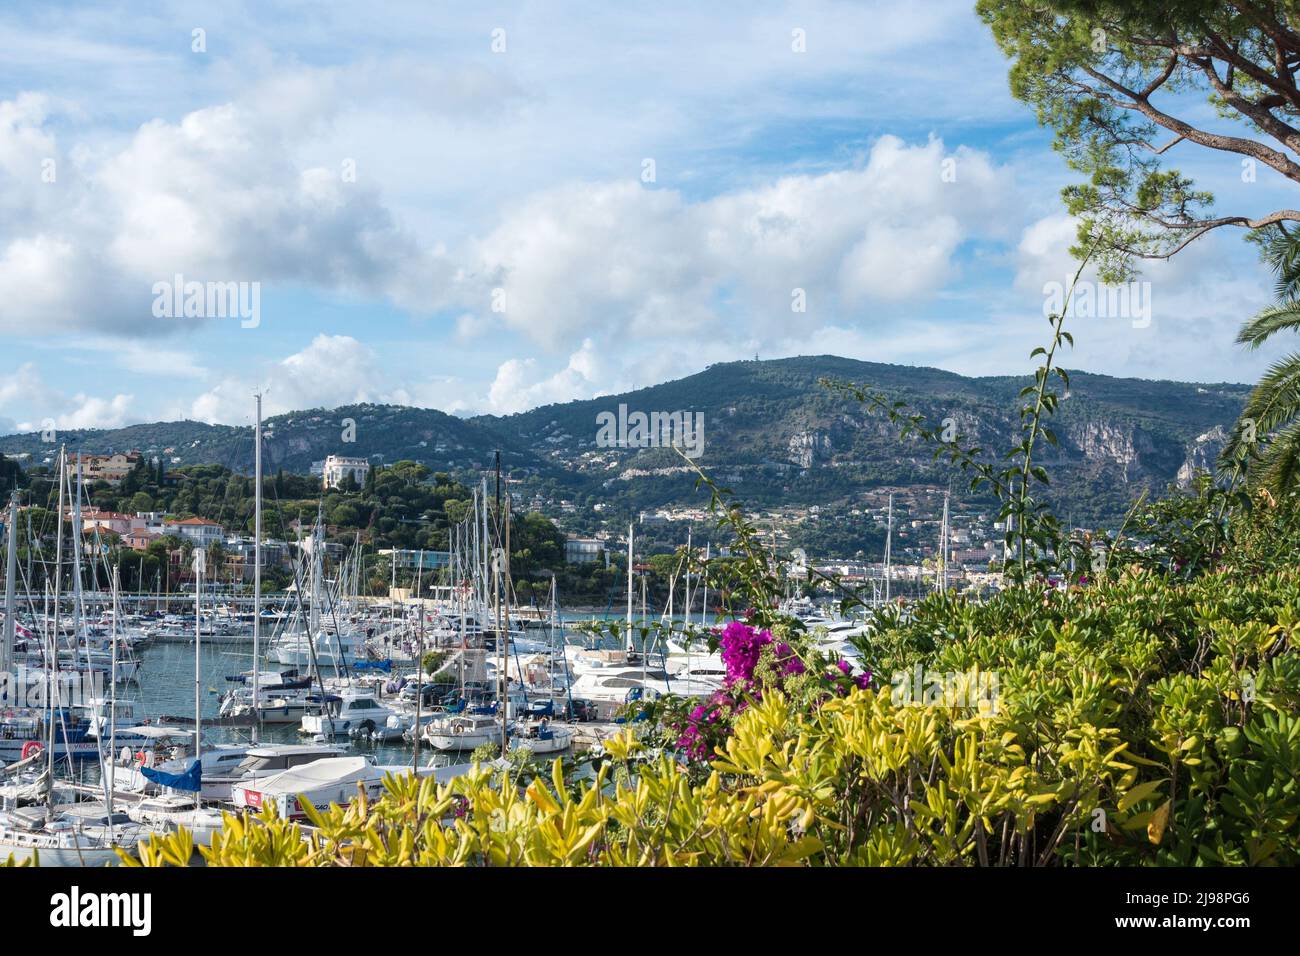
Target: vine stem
x=1035, y=420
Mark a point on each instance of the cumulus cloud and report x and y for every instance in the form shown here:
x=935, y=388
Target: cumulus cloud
x=219, y=196
x=332, y=370
x=586, y=259
x=88, y=411
x=519, y=385
x=215, y=197
x=564, y=274
x=48, y=405
x=1170, y=319
x=335, y=370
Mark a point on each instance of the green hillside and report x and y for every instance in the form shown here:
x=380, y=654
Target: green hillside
x=771, y=431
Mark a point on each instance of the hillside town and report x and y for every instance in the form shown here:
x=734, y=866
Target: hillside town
x=912, y=519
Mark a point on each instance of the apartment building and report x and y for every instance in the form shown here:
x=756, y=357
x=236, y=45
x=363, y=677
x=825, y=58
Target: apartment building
x=339, y=467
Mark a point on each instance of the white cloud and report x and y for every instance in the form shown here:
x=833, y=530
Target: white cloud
x=902, y=261
x=1196, y=301
x=338, y=370
x=619, y=259
x=24, y=382
x=220, y=196
x=27, y=388
x=214, y=197
x=332, y=370
x=447, y=393
x=88, y=411
x=477, y=172
x=519, y=385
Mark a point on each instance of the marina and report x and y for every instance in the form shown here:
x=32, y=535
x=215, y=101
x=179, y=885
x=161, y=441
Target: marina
x=151, y=717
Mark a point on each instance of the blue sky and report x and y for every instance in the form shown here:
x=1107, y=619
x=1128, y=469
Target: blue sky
x=500, y=244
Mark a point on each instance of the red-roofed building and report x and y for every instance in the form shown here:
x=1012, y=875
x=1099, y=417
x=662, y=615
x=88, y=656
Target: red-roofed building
x=139, y=540
x=110, y=468
x=201, y=532
x=106, y=520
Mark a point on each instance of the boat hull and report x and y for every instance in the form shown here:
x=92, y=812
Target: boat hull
x=61, y=856
x=461, y=742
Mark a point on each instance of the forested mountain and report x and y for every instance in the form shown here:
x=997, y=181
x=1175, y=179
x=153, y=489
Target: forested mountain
x=771, y=431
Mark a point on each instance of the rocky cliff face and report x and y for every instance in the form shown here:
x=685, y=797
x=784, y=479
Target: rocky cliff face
x=1107, y=443
x=1202, y=454
x=806, y=448
x=1122, y=450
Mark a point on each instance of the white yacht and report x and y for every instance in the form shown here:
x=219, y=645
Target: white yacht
x=170, y=750
x=462, y=732
x=321, y=783
x=169, y=812
x=353, y=708
x=62, y=838
x=102, y=711
x=325, y=651
x=695, y=662
x=542, y=737
x=274, y=706
x=611, y=687
x=261, y=763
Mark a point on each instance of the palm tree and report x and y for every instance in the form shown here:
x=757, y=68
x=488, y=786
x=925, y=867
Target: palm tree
x=1266, y=439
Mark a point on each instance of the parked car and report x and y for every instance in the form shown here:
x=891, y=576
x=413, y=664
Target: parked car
x=578, y=710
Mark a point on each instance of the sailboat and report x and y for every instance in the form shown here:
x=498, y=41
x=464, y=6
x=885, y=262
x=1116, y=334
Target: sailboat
x=82, y=834
x=322, y=646
x=478, y=726
x=461, y=732
x=171, y=811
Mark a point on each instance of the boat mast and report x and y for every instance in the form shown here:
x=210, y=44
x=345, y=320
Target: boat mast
x=690, y=595
x=558, y=624
x=486, y=551
x=505, y=603
x=704, y=578
x=200, y=565
x=503, y=703
x=629, y=586
x=419, y=667
x=460, y=602
x=672, y=596
x=686, y=619
x=52, y=653
x=112, y=706
x=30, y=550
x=943, y=548
x=645, y=653
x=11, y=598
x=889, y=540
x=317, y=569
x=78, y=608
x=257, y=565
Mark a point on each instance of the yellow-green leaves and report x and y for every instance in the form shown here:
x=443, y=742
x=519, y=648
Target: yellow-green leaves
x=1106, y=697
x=1139, y=793
x=1159, y=820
